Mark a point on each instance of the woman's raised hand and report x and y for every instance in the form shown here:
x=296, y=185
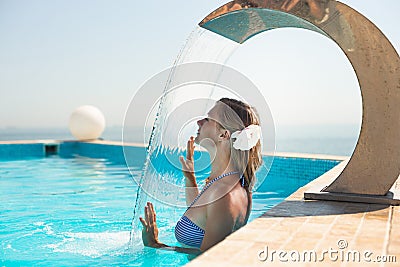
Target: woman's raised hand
x=188, y=164
x=150, y=230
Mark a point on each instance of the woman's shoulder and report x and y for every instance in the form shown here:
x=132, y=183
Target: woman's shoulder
x=226, y=192
x=230, y=204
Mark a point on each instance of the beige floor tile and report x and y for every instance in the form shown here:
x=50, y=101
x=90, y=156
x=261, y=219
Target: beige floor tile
x=294, y=220
x=369, y=244
x=259, y=236
x=228, y=249
x=301, y=244
x=343, y=231
x=305, y=225
x=264, y=223
x=313, y=236
x=394, y=247
x=314, y=227
x=322, y=219
x=287, y=229
x=250, y=256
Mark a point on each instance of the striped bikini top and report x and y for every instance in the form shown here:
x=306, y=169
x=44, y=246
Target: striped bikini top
x=186, y=231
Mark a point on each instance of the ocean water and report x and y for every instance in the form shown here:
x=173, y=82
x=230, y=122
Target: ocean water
x=287, y=140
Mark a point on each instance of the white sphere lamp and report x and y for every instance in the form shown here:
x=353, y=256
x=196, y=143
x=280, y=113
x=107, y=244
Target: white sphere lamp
x=87, y=123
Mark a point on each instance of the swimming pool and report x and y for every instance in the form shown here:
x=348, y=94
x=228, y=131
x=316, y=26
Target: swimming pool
x=74, y=206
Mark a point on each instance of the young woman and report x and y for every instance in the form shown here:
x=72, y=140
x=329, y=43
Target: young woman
x=231, y=135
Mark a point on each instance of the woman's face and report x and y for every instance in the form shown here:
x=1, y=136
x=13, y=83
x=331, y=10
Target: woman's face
x=208, y=131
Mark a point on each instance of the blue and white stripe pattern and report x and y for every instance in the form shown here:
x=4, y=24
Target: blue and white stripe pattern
x=186, y=231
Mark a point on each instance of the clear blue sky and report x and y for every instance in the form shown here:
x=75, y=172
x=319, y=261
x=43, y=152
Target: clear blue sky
x=56, y=55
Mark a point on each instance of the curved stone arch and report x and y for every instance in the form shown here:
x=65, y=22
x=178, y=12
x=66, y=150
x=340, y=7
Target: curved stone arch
x=375, y=163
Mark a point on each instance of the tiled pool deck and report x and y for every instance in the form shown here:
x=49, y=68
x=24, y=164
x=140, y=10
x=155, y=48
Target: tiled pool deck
x=324, y=233
x=297, y=227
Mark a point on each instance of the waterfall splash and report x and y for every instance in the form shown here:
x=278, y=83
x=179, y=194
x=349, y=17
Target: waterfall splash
x=168, y=106
x=182, y=99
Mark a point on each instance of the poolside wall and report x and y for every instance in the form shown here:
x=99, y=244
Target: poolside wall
x=281, y=165
x=301, y=168
x=21, y=151
x=37, y=149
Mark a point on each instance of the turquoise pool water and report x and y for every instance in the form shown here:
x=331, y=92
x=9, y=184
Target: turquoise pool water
x=77, y=211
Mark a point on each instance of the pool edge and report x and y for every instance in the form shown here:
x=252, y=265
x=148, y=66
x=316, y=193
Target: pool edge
x=307, y=225
x=119, y=143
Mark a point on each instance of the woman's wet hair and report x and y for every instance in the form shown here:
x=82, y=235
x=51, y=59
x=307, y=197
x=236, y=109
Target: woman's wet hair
x=234, y=115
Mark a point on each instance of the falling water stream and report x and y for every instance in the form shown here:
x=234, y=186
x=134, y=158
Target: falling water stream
x=183, y=100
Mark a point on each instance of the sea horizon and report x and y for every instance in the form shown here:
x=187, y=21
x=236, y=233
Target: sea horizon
x=288, y=141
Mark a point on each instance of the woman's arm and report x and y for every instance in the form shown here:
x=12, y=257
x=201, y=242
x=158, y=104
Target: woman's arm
x=191, y=251
x=191, y=189
x=150, y=233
